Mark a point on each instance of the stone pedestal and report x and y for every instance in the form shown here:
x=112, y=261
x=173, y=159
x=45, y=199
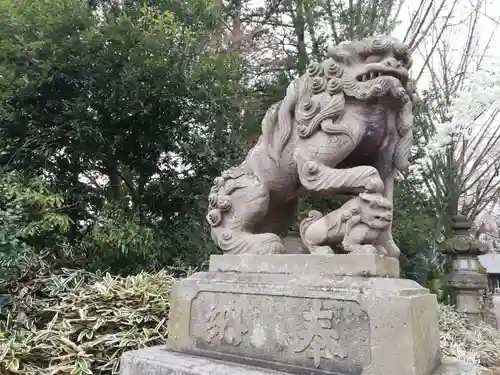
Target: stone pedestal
x=159, y=360
x=307, y=314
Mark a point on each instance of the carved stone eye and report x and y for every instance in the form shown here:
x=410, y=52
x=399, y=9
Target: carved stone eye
x=373, y=59
x=379, y=45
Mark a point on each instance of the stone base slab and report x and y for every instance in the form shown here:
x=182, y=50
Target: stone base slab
x=310, y=323
x=364, y=265
x=159, y=361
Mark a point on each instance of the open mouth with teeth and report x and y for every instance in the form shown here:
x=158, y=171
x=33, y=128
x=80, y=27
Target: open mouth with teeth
x=376, y=74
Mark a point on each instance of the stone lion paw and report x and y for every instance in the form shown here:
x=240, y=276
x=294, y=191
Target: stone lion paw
x=381, y=251
x=360, y=249
x=321, y=250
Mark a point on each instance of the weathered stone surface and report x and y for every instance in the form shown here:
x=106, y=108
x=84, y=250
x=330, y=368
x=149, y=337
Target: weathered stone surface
x=467, y=284
x=312, y=264
x=345, y=125
x=307, y=324
x=322, y=330
x=159, y=361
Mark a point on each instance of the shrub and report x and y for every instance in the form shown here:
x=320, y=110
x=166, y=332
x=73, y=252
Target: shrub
x=474, y=343
x=80, y=323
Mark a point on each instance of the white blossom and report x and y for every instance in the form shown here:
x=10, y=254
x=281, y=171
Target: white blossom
x=465, y=150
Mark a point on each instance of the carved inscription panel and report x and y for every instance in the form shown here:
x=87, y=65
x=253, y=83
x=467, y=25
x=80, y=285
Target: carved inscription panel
x=331, y=336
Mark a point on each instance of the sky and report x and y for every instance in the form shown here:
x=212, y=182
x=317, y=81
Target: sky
x=487, y=33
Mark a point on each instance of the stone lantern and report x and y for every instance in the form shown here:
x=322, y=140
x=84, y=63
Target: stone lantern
x=467, y=283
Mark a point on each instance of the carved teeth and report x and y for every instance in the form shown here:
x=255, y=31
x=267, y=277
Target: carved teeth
x=369, y=76
x=373, y=75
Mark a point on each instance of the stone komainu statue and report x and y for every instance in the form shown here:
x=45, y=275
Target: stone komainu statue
x=343, y=126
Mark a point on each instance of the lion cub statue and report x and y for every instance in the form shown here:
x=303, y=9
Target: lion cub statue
x=343, y=127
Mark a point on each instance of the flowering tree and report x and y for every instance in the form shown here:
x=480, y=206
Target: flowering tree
x=457, y=142
x=461, y=164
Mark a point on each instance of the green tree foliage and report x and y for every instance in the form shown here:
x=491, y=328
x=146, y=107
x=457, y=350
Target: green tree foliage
x=32, y=219
x=414, y=231
x=127, y=112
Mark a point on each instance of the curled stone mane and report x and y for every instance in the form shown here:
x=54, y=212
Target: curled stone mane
x=316, y=100
x=310, y=100
x=278, y=123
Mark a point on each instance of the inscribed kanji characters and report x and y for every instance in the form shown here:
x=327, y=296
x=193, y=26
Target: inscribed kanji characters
x=224, y=323
x=319, y=340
